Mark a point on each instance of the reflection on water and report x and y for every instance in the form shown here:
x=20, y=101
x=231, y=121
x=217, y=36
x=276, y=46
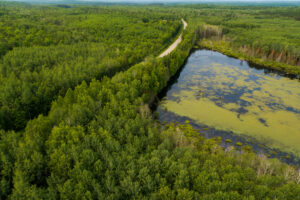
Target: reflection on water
x=226, y=94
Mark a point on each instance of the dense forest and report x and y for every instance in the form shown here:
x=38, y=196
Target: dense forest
x=53, y=49
x=80, y=80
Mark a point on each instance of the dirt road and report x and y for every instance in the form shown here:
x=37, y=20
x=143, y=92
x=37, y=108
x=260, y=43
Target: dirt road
x=175, y=44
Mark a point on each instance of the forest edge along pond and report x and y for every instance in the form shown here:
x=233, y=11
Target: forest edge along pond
x=225, y=96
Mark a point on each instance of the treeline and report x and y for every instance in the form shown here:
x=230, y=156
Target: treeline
x=100, y=142
x=292, y=12
x=270, y=34
x=83, y=43
x=31, y=25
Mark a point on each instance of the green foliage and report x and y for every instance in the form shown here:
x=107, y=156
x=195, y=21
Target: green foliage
x=267, y=36
x=54, y=49
x=99, y=141
x=8, y=147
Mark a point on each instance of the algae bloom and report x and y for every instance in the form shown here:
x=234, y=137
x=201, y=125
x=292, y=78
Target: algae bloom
x=227, y=94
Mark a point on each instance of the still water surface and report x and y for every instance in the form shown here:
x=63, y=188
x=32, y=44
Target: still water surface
x=226, y=94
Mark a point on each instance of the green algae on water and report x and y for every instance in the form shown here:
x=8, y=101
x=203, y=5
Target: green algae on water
x=226, y=94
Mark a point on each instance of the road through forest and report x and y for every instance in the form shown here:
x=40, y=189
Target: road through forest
x=175, y=44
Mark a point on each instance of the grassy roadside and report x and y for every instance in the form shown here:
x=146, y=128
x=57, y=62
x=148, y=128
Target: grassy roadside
x=172, y=39
x=226, y=49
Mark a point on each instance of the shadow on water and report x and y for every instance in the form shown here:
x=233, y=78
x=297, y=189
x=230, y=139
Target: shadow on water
x=229, y=138
x=170, y=83
x=272, y=71
x=261, y=67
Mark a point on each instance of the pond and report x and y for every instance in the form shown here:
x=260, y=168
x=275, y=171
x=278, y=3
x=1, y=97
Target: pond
x=225, y=96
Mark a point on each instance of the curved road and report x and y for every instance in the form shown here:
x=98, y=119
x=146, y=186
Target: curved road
x=175, y=44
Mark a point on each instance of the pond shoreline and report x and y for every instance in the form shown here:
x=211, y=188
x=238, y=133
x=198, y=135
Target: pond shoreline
x=231, y=139
x=155, y=101
x=257, y=146
x=264, y=65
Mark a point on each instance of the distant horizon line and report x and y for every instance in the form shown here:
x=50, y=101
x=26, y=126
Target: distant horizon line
x=166, y=2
